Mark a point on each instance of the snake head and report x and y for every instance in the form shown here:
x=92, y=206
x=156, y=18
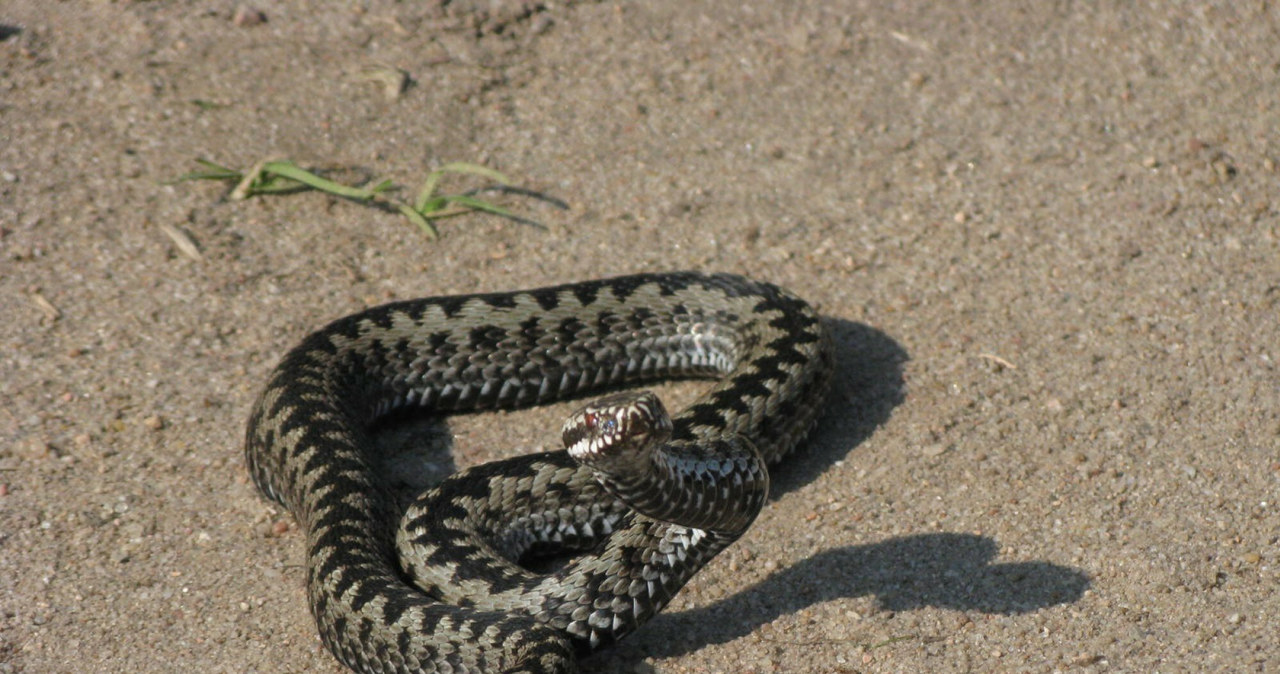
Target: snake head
x=617, y=432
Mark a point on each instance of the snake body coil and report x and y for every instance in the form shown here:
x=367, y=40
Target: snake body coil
x=648, y=499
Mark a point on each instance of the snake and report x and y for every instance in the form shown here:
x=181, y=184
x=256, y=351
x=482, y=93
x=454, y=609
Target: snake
x=637, y=502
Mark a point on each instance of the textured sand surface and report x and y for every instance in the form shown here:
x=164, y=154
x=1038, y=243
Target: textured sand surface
x=1045, y=235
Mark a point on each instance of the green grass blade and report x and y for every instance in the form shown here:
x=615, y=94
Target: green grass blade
x=422, y=203
x=384, y=186
x=211, y=171
x=284, y=175
x=273, y=184
x=423, y=223
x=292, y=171
x=433, y=180
x=431, y=205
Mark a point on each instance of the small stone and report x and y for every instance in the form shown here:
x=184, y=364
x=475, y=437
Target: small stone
x=279, y=528
x=154, y=422
x=935, y=449
x=1252, y=558
x=133, y=532
x=248, y=16
x=540, y=24
x=36, y=448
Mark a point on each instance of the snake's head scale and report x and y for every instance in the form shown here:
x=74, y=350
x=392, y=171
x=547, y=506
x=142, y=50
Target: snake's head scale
x=618, y=432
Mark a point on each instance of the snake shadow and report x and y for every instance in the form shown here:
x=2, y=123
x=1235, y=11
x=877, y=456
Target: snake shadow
x=942, y=570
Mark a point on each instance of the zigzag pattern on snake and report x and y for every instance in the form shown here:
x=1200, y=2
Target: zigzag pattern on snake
x=444, y=590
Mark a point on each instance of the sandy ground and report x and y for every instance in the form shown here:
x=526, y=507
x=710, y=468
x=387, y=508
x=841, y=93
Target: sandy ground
x=1044, y=235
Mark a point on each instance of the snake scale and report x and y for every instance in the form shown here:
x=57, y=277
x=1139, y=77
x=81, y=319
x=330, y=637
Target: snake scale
x=642, y=499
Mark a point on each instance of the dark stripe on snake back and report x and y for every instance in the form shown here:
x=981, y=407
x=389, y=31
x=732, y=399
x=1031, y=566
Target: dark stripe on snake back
x=307, y=447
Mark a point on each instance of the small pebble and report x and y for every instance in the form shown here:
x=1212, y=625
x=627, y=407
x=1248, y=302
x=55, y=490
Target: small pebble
x=35, y=448
x=540, y=24
x=248, y=16
x=154, y=422
x=935, y=449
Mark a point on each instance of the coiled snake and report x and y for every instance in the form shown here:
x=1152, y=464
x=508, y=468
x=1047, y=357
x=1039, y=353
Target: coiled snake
x=646, y=500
